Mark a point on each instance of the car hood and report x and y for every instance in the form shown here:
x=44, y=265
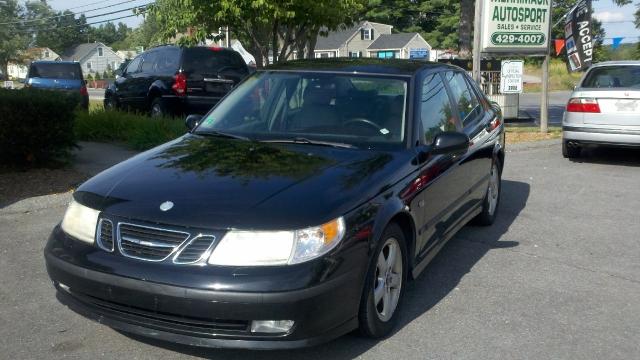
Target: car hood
x=227, y=183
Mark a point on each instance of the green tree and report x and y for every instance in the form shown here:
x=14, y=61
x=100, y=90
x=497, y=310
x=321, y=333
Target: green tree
x=13, y=38
x=436, y=20
x=281, y=26
x=62, y=32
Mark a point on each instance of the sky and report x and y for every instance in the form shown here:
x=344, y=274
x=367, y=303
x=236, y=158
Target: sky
x=617, y=21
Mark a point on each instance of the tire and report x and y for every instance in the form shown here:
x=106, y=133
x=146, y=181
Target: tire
x=158, y=108
x=377, y=319
x=491, y=201
x=570, y=151
x=110, y=104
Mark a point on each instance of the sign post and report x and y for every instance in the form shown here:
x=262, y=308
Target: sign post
x=511, y=73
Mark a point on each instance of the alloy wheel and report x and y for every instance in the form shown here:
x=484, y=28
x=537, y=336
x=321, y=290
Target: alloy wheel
x=494, y=189
x=388, y=280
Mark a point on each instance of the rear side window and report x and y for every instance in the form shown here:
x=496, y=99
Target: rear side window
x=202, y=60
x=55, y=71
x=613, y=77
x=168, y=60
x=466, y=99
x=436, y=113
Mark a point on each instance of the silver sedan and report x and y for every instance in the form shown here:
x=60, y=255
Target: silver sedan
x=604, y=109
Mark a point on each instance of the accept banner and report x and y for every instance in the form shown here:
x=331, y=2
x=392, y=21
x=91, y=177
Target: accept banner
x=579, y=36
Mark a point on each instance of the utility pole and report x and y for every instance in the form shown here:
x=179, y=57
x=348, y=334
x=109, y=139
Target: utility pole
x=544, y=99
x=477, y=40
x=227, y=36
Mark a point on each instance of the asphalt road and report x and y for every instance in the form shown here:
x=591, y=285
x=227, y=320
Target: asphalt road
x=557, y=276
x=96, y=94
x=530, y=106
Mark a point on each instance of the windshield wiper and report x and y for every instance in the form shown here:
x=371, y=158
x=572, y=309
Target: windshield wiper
x=303, y=140
x=217, y=133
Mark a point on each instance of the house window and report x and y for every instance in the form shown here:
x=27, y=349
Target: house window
x=386, y=54
x=99, y=51
x=355, y=54
x=89, y=65
x=46, y=54
x=366, y=34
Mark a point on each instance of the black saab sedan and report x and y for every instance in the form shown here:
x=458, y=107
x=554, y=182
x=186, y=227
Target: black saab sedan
x=295, y=211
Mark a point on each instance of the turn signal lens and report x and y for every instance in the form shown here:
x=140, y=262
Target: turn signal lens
x=583, y=105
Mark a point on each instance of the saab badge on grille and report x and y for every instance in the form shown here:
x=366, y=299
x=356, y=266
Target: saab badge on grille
x=166, y=206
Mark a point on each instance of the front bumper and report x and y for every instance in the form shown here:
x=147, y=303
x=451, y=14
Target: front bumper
x=174, y=311
x=599, y=135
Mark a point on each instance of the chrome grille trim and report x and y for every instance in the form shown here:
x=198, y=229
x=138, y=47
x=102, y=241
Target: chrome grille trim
x=144, y=243
x=99, y=233
x=204, y=255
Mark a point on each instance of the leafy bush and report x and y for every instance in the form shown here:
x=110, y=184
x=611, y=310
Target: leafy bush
x=36, y=127
x=137, y=131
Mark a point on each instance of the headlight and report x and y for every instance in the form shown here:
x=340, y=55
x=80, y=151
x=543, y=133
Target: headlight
x=255, y=248
x=80, y=222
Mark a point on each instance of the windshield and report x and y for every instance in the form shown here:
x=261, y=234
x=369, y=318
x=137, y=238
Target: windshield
x=362, y=111
x=613, y=77
x=55, y=71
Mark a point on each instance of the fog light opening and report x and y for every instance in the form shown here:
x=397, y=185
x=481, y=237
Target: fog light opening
x=64, y=287
x=271, y=326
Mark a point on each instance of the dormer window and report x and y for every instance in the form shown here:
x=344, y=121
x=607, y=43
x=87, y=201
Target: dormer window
x=366, y=34
x=99, y=51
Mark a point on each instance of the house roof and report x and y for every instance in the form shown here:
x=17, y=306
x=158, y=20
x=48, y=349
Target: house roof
x=338, y=38
x=80, y=51
x=391, y=41
x=335, y=39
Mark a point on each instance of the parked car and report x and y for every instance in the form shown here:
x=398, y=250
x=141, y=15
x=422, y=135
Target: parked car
x=171, y=80
x=294, y=212
x=59, y=76
x=604, y=109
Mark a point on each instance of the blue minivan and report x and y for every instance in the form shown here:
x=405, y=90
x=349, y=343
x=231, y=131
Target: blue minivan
x=60, y=76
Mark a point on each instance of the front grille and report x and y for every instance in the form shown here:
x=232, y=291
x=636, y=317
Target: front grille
x=105, y=235
x=148, y=243
x=195, y=250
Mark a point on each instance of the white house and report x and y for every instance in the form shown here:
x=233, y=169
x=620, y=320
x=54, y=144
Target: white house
x=19, y=71
x=94, y=58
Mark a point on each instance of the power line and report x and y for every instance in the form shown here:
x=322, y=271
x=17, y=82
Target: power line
x=87, y=17
x=80, y=25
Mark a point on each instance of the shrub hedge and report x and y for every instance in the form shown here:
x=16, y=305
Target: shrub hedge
x=36, y=127
x=139, y=132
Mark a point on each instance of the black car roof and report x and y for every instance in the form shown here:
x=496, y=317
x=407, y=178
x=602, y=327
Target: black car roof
x=365, y=65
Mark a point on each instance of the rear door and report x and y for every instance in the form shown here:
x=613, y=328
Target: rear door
x=474, y=166
x=616, y=88
x=211, y=73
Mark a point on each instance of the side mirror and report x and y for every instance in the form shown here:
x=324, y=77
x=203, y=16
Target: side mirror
x=192, y=121
x=450, y=142
x=118, y=72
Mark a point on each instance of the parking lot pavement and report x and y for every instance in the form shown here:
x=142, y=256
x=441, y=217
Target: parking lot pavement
x=530, y=106
x=557, y=276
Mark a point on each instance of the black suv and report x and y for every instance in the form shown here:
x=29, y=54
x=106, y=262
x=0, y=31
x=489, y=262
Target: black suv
x=171, y=80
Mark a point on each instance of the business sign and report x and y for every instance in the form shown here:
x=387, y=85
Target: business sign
x=511, y=76
x=419, y=53
x=516, y=26
x=579, y=37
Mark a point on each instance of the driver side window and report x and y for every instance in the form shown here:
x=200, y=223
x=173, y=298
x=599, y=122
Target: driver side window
x=134, y=65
